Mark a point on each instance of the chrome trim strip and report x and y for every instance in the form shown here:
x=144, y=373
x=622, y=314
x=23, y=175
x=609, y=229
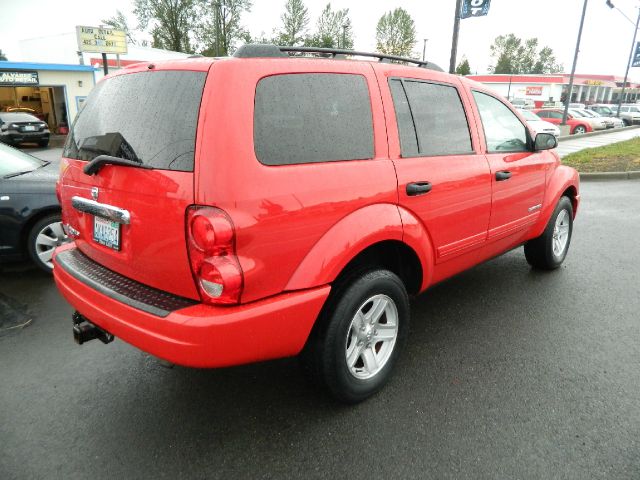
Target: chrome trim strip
x=535, y=207
x=103, y=210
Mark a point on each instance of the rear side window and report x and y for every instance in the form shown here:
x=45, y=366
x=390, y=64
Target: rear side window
x=431, y=119
x=149, y=117
x=311, y=118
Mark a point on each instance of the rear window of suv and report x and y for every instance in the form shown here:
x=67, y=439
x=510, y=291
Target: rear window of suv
x=311, y=118
x=149, y=117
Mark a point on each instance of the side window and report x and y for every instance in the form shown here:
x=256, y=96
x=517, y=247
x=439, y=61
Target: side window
x=311, y=118
x=433, y=121
x=543, y=114
x=502, y=129
x=556, y=115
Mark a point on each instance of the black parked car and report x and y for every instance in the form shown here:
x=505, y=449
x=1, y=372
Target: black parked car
x=17, y=127
x=30, y=221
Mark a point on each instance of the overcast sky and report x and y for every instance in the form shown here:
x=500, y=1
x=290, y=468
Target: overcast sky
x=605, y=44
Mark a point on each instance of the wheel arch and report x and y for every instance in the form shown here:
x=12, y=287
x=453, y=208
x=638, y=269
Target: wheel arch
x=564, y=181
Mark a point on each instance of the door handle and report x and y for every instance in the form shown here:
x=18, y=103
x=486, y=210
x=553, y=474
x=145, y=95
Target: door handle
x=503, y=175
x=418, y=188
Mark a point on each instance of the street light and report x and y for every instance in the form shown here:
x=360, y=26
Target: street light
x=573, y=69
x=633, y=46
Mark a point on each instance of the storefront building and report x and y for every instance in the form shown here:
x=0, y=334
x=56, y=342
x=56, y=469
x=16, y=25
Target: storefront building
x=541, y=89
x=52, y=92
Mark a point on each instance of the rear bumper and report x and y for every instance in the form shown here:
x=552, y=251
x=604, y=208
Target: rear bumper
x=201, y=335
x=16, y=137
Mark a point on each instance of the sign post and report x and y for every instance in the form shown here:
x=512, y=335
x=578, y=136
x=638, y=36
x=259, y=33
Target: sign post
x=101, y=40
x=465, y=9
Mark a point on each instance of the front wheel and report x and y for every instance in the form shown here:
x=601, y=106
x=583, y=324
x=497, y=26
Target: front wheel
x=548, y=251
x=579, y=130
x=363, y=330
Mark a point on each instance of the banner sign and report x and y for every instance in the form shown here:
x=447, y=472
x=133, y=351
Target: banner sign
x=534, y=90
x=636, y=56
x=474, y=8
x=18, y=78
x=101, y=40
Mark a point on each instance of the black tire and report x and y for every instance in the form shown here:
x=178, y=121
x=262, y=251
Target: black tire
x=539, y=252
x=43, y=143
x=325, y=355
x=48, y=225
x=626, y=122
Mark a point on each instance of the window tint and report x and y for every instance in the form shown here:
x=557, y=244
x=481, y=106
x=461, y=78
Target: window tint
x=543, y=114
x=150, y=117
x=502, y=129
x=406, y=130
x=441, y=126
x=309, y=118
x=557, y=115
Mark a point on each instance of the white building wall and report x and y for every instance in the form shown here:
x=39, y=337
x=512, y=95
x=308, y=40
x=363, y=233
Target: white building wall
x=77, y=85
x=519, y=90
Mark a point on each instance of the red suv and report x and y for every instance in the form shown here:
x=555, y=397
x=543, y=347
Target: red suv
x=233, y=210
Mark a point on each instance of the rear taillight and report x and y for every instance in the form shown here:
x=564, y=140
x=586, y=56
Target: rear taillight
x=215, y=267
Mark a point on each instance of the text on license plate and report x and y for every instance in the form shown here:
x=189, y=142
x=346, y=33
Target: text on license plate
x=29, y=128
x=106, y=232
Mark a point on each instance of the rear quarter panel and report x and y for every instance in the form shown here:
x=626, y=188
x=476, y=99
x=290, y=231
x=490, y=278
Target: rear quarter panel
x=282, y=212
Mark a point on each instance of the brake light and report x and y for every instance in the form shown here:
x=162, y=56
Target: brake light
x=214, y=264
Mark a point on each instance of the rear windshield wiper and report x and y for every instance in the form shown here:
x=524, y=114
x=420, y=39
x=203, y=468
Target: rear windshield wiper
x=100, y=161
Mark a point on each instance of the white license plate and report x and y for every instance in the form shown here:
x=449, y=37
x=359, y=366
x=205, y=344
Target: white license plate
x=29, y=128
x=106, y=232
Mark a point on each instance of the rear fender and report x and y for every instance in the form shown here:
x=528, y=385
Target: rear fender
x=347, y=238
x=417, y=237
x=561, y=179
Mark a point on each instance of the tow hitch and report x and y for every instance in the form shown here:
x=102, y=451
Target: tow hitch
x=84, y=330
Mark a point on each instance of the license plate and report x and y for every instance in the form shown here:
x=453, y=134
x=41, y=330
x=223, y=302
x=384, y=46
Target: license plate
x=106, y=232
x=29, y=128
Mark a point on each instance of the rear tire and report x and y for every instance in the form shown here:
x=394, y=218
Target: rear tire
x=44, y=237
x=361, y=332
x=43, y=143
x=548, y=251
x=579, y=130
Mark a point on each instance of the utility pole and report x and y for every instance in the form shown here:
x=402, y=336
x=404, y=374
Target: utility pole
x=344, y=34
x=573, y=69
x=626, y=74
x=424, y=48
x=454, y=40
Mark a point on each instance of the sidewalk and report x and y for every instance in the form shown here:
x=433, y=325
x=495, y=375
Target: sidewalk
x=573, y=144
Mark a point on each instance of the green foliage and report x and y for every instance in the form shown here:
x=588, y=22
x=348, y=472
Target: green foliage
x=616, y=157
x=119, y=22
x=3, y=57
x=171, y=21
x=463, y=67
x=295, y=20
x=219, y=25
x=333, y=30
x=516, y=56
x=396, y=33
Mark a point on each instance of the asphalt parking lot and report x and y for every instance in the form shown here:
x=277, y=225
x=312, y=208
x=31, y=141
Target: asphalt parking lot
x=508, y=374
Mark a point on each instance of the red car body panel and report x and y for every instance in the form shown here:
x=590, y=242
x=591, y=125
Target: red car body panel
x=298, y=226
x=571, y=121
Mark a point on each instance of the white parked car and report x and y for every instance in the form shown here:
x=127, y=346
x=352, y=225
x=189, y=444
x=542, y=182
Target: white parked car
x=522, y=103
x=596, y=123
x=612, y=122
x=539, y=125
x=577, y=105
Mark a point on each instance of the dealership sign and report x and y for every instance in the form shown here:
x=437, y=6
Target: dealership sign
x=18, y=78
x=474, y=8
x=534, y=90
x=101, y=40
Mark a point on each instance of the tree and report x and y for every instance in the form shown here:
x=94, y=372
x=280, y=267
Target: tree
x=294, y=23
x=463, y=67
x=172, y=22
x=3, y=57
x=220, y=26
x=119, y=22
x=333, y=30
x=396, y=33
x=515, y=56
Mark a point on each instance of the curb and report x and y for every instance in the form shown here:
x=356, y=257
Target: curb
x=633, y=175
x=599, y=132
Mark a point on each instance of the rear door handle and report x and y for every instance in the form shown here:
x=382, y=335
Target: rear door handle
x=418, y=188
x=503, y=175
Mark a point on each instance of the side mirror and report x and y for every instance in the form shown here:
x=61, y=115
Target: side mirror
x=545, y=141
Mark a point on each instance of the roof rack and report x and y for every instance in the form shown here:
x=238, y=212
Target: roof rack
x=268, y=51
